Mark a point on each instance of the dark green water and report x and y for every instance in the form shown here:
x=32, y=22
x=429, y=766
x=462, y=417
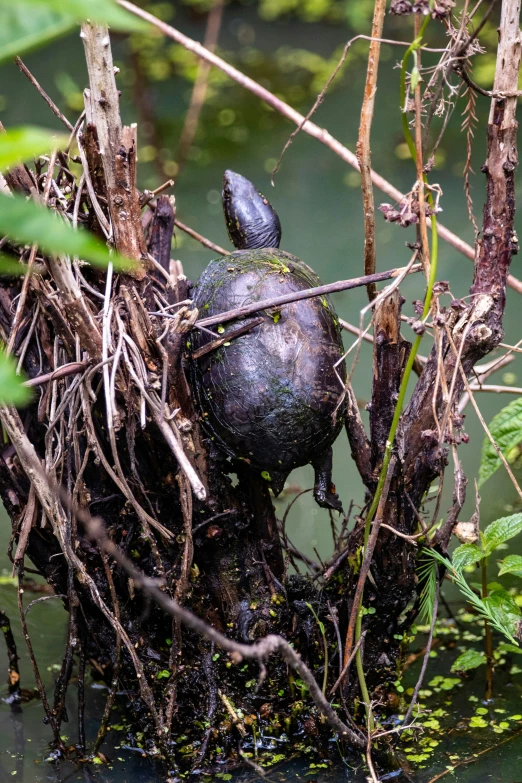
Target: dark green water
x=318, y=200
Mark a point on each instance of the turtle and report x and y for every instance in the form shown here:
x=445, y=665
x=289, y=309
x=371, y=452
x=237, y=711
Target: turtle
x=274, y=397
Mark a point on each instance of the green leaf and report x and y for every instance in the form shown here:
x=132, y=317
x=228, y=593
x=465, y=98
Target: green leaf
x=503, y=607
x=488, y=609
x=512, y=564
x=28, y=24
x=427, y=572
x=509, y=648
x=501, y=530
x=12, y=390
x=465, y=555
x=506, y=429
x=10, y=267
x=28, y=223
x=470, y=659
x=105, y=11
x=27, y=141
x=23, y=29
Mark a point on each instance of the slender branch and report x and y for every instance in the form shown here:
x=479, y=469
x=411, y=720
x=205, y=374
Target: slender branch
x=13, y=677
x=347, y=664
x=231, y=335
x=363, y=149
x=199, y=91
x=306, y=293
x=476, y=387
x=199, y=238
x=294, y=116
x=49, y=101
x=117, y=145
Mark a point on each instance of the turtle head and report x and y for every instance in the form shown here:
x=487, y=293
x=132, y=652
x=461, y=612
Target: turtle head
x=251, y=220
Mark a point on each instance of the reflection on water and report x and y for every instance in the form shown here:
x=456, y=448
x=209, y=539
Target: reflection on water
x=319, y=205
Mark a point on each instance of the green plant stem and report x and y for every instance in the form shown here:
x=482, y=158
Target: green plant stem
x=320, y=625
x=416, y=44
x=405, y=378
x=488, y=634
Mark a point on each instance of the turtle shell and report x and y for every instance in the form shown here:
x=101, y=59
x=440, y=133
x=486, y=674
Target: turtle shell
x=272, y=396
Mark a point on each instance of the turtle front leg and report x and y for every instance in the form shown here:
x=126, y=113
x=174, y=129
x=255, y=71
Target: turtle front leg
x=324, y=488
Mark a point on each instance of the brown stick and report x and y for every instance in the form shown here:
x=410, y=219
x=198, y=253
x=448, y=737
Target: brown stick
x=363, y=150
x=208, y=347
x=62, y=372
x=117, y=145
x=204, y=241
x=359, y=444
x=199, y=91
x=423, y=231
x=49, y=101
x=13, y=671
x=294, y=116
x=160, y=237
x=306, y=293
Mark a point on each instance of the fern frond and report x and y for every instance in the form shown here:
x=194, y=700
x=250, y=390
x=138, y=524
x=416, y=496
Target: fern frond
x=427, y=572
x=479, y=605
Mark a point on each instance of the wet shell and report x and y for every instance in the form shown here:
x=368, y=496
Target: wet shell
x=271, y=397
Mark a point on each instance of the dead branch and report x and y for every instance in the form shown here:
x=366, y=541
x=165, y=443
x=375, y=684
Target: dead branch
x=363, y=150
x=161, y=231
x=306, y=293
x=13, y=671
x=199, y=238
x=53, y=107
x=359, y=444
x=199, y=91
x=311, y=128
x=117, y=145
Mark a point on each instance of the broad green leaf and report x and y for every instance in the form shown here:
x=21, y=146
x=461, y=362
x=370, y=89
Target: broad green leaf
x=501, y=530
x=12, y=390
x=504, y=608
x=22, y=143
x=512, y=564
x=469, y=660
x=28, y=24
x=23, y=29
x=466, y=554
x=28, y=223
x=506, y=429
x=106, y=11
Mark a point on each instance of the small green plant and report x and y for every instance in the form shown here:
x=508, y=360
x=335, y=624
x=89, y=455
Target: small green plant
x=496, y=605
x=506, y=429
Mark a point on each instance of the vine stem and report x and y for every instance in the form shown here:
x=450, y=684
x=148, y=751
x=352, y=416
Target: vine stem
x=416, y=44
x=487, y=633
